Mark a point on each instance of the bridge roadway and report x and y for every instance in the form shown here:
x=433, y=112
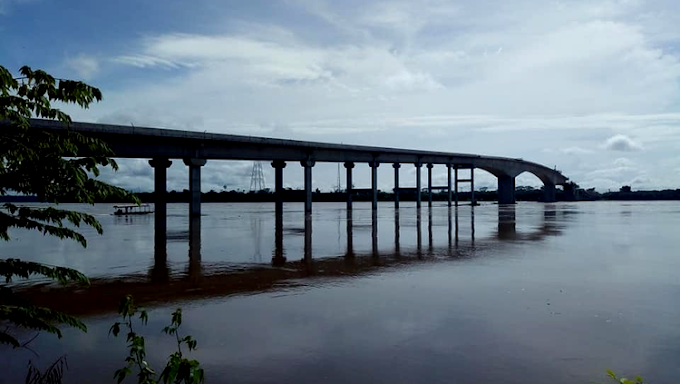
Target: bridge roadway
x=195, y=148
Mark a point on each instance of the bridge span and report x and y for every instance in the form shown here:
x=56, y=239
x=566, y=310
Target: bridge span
x=195, y=148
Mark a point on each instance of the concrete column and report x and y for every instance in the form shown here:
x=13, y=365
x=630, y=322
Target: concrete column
x=374, y=183
x=278, y=166
x=506, y=189
x=429, y=184
x=195, y=184
x=308, y=164
x=472, y=186
x=160, y=271
x=160, y=166
x=396, y=167
x=455, y=170
x=418, y=199
x=549, y=192
x=449, y=197
x=349, y=165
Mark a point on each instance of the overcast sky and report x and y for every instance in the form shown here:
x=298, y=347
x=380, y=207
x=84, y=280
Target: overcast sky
x=589, y=86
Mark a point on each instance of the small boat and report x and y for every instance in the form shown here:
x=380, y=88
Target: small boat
x=132, y=209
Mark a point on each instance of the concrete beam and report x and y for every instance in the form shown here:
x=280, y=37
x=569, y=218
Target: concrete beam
x=140, y=142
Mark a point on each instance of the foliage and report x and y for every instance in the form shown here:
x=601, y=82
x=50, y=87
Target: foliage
x=178, y=369
x=52, y=375
x=50, y=166
x=623, y=380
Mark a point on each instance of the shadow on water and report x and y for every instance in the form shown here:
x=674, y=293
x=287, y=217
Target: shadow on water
x=206, y=280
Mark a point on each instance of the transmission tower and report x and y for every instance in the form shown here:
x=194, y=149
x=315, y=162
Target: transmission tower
x=257, y=177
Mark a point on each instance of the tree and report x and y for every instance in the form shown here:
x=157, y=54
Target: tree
x=47, y=165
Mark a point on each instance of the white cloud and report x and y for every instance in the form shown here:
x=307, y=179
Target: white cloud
x=623, y=162
x=546, y=81
x=621, y=143
x=575, y=151
x=85, y=66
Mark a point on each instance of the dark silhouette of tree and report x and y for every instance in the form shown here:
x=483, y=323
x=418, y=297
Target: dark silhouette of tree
x=47, y=165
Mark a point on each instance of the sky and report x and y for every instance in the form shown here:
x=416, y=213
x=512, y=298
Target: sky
x=591, y=87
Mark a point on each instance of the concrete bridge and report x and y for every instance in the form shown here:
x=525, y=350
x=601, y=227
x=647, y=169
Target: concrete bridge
x=194, y=148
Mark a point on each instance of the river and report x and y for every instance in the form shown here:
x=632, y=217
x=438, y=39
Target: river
x=531, y=293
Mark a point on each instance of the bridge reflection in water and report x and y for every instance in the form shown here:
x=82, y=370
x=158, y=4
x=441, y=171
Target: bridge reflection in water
x=222, y=279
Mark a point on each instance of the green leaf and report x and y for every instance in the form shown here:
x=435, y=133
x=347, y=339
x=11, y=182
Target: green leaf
x=144, y=317
x=115, y=329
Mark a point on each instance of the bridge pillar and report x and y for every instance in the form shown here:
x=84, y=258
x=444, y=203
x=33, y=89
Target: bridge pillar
x=455, y=170
x=472, y=186
x=308, y=164
x=396, y=167
x=418, y=187
x=195, y=184
x=429, y=184
x=278, y=166
x=349, y=165
x=374, y=183
x=506, y=189
x=549, y=192
x=160, y=166
x=448, y=189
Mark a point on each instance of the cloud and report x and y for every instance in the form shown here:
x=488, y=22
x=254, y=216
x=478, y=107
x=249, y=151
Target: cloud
x=623, y=162
x=621, y=143
x=545, y=81
x=85, y=66
x=575, y=151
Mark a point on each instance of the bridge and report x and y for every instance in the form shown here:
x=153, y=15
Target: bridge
x=195, y=148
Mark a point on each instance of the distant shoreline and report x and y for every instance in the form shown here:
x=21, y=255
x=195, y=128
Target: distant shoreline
x=290, y=195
